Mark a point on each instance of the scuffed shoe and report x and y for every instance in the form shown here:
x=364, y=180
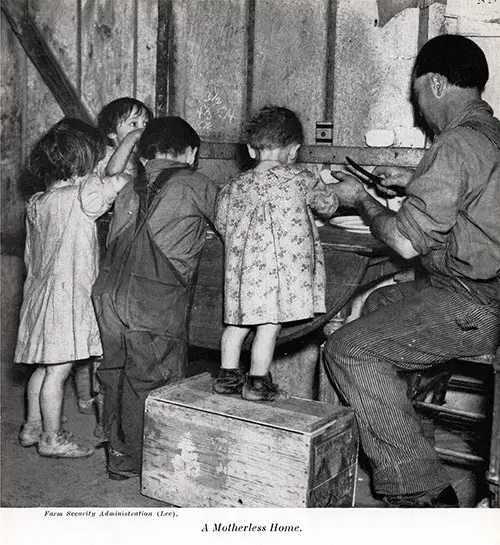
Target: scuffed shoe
x=30, y=433
x=229, y=381
x=262, y=388
x=62, y=445
x=447, y=498
x=121, y=466
x=86, y=406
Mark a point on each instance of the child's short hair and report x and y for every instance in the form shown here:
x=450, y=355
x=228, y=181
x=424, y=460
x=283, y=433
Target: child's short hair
x=119, y=110
x=167, y=135
x=70, y=148
x=274, y=127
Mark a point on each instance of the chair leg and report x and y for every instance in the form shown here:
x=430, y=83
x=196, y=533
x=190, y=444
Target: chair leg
x=493, y=473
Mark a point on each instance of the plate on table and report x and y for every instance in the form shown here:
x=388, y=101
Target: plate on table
x=354, y=224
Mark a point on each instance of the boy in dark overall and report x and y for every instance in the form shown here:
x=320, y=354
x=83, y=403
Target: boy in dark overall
x=144, y=291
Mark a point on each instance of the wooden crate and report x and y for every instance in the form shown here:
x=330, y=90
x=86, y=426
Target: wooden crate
x=206, y=450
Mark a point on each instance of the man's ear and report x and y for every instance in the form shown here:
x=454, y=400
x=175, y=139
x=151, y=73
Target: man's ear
x=252, y=152
x=438, y=84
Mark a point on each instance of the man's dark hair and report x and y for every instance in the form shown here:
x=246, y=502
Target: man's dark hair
x=457, y=58
x=274, y=127
x=117, y=111
x=167, y=135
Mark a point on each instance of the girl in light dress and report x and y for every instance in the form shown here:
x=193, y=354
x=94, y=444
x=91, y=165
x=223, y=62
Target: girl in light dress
x=274, y=265
x=58, y=326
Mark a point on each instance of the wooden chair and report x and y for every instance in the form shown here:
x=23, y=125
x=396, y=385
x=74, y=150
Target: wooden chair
x=428, y=390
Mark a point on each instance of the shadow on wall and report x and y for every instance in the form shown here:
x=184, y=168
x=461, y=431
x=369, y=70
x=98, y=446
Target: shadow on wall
x=13, y=273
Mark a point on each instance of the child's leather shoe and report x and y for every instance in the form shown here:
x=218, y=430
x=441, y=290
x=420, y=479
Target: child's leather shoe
x=262, y=388
x=229, y=381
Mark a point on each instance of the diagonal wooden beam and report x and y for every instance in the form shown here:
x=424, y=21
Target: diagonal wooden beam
x=44, y=60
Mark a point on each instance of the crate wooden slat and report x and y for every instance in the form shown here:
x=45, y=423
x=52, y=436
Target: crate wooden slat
x=206, y=450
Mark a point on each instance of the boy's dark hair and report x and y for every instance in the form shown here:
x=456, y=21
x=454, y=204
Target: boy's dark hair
x=117, y=111
x=167, y=135
x=70, y=148
x=274, y=127
x=456, y=57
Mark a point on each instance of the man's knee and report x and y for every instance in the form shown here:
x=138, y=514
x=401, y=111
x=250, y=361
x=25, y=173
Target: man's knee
x=342, y=347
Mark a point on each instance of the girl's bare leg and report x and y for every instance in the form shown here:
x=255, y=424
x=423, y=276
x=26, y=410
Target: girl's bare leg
x=231, y=343
x=52, y=395
x=33, y=395
x=263, y=348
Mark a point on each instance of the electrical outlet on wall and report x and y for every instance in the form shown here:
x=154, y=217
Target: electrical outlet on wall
x=324, y=132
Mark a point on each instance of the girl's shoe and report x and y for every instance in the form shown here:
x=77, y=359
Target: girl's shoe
x=229, y=381
x=262, y=388
x=62, y=445
x=30, y=433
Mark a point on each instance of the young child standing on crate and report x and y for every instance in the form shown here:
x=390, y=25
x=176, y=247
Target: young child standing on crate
x=121, y=123
x=58, y=326
x=274, y=266
x=144, y=291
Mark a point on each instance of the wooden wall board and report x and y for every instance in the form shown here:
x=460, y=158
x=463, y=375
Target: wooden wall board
x=290, y=58
x=12, y=66
x=326, y=154
x=219, y=170
x=210, y=66
x=109, y=35
x=373, y=68
x=145, y=71
x=57, y=24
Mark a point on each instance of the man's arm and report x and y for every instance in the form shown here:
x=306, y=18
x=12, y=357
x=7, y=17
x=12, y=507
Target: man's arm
x=381, y=220
x=383, y=225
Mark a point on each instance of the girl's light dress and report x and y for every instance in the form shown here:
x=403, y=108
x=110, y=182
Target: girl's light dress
x=274, y=264
x=57, y=322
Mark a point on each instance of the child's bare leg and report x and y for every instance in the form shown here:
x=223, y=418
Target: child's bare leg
x=35, y=382
x=263, y=348
x=32, y=427
x=259, y=385
x=231, y=378
x=231, y=343
x=54, y=442
x=52, y=395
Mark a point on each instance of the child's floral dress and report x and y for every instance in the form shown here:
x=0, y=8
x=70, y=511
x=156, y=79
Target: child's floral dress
x=274, y=264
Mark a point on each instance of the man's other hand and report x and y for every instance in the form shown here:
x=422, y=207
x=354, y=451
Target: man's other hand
x=394, y=179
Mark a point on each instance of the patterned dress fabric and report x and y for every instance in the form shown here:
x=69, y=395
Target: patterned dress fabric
x=274, y=264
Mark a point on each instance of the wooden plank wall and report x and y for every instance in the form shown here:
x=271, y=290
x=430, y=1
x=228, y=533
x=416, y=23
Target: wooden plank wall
x=215, y=61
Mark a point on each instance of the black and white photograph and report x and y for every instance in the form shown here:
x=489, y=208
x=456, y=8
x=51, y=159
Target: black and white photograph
x=250, y=272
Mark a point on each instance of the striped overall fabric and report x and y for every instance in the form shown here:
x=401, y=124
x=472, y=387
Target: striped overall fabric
x=404, y=327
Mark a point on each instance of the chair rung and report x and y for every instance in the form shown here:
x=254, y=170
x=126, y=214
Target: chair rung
x=464, y=384
x=455, y=455
x=472, y=417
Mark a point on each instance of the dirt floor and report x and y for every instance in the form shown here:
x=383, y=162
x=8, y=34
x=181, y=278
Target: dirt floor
x=29, y=480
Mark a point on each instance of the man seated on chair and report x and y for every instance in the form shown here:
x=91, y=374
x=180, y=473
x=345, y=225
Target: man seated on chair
x=451, y=220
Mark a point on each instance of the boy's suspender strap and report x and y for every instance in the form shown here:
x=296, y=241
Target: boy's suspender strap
x=147, y=192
